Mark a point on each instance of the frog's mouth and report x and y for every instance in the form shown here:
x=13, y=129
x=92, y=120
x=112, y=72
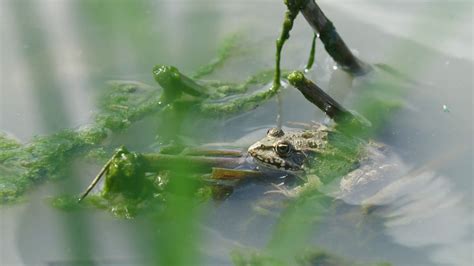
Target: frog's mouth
x=275, y=164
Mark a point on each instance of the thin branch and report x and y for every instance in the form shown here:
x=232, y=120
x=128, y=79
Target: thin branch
x=99, y=176
x=318, y=97
x=333, y=43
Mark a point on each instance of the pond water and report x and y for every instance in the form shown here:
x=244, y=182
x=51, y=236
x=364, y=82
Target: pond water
x=56, y=55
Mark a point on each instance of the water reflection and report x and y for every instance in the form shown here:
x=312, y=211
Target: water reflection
x=14, y=62
x=422, y=211
x=65, y=50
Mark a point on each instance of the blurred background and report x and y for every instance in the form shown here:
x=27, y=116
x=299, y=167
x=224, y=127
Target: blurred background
x=56, y=55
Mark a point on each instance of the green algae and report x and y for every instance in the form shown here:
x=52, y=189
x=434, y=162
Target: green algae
x=183, y=93
x=125, y=174
x=312, y=53
x=125, y=102
x=293, y=7
x=247, y=102
x=224, y=52
x=66, y=203
x=43, y=158
x=46, y=157
x=120, y=105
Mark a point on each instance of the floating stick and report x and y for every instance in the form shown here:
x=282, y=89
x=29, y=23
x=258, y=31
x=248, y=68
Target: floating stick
x=332, y=41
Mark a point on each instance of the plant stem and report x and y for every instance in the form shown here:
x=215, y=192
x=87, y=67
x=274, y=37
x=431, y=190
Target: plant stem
x=290, y=15
x=310, y=63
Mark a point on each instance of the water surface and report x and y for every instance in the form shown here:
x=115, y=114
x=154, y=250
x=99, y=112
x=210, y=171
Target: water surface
x=58, y=55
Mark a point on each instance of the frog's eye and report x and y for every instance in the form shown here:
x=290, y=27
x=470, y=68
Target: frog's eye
x=283, y=148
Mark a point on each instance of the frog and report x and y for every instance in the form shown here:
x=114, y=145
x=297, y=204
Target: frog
x=324, y=158
x=288, y=152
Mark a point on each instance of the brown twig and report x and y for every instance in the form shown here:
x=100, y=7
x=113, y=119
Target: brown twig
x=98, y=177
x=318, y=97
x=332, y=41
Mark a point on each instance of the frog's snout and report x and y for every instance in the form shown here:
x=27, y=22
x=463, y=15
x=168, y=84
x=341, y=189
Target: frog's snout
x=252, y=150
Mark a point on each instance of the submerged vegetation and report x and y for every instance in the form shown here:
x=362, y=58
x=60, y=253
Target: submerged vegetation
x=43, y=158
x=122, y=104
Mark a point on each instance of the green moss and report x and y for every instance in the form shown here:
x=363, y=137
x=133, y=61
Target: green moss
x=296, y=78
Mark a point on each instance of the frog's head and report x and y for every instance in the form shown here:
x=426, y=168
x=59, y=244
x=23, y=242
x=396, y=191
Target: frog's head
x=286, y=152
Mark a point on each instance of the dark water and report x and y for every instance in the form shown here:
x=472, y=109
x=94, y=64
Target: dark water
x=59, y=53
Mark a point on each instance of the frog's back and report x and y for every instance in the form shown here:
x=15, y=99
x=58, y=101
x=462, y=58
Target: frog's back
x=378, y=166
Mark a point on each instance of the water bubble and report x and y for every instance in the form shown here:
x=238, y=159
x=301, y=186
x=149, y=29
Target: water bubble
x=445, y=108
